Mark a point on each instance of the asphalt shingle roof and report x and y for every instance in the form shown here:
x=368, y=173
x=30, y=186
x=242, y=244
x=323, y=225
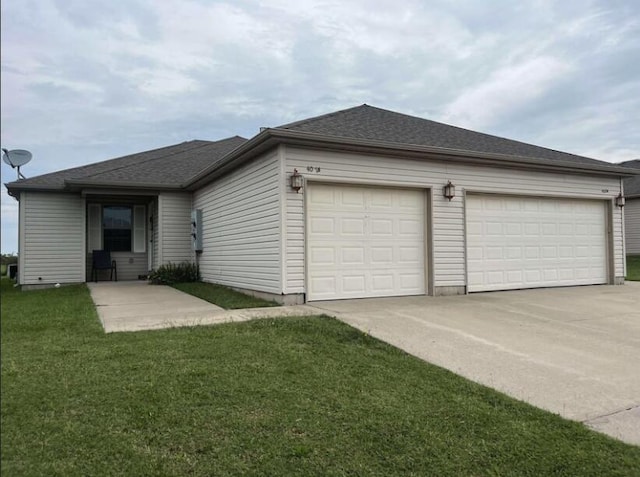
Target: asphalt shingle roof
x=169, y=166
x=632, y=184
x=368, y=122
x=181, y=164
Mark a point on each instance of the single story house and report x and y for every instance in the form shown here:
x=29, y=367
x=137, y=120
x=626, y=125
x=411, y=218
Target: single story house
x=632, y=209
x=362, y=202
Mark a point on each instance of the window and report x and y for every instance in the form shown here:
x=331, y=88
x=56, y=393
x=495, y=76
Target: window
x=116, y=227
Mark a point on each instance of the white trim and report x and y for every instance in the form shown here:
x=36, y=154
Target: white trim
x=138, y=246
x=624, y=236
x=22, y=218
x=465, y=257
x=428, y=240
x=282, y=197
x=148, y=221
x=84, y=238
x=91, y=208
x=159, y=226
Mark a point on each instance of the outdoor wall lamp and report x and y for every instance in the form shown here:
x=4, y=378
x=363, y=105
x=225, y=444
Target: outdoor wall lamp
x=297, y=180
x=620, y=200
x=449, y=191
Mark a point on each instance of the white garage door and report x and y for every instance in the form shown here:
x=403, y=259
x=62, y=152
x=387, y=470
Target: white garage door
x=518, y=242
x=364, y=242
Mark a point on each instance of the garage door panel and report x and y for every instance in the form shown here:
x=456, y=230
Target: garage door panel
x=381, y=255
x=352, y=226
x=322, y=225
x=323, y=256
x=376, y=247
x=381, y=199
x=351, y=198
x=520, y=242
x=383, y=227
x=354, y=282
x=352, y=255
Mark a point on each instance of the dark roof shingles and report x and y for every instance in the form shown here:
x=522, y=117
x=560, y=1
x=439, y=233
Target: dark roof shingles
x=169, y=166
x=368, y=122
x=174, y=166
x=632, y=184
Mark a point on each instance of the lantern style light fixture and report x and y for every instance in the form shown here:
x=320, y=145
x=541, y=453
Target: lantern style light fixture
x=297, y=180
x=449, y=191
x=620, y=200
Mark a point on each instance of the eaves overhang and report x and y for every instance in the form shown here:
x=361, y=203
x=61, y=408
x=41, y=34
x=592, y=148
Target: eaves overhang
x=78, y=185
x=271, y=137
x=14, y=188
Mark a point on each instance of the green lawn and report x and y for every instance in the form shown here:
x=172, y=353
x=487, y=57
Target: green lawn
x=222, y=296
x=299, y=396
x=633, y=267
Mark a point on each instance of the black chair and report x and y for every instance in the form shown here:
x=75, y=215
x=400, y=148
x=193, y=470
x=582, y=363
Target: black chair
x=102, y=261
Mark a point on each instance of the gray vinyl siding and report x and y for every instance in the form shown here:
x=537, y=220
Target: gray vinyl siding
x=241, y=215
x=129, y=265
x=448, y=217
x=632, y=226
x=174, y=228
x=52, y=238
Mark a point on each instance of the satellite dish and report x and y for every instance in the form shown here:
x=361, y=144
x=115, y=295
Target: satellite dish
x=17, y=157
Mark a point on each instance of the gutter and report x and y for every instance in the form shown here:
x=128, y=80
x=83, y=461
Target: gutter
x=76, y=185
x=270, y=137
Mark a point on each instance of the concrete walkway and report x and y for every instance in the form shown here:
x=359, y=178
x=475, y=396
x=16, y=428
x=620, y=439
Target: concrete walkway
x=138, y=306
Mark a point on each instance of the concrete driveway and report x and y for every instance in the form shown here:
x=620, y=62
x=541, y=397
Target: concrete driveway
x=573, y=351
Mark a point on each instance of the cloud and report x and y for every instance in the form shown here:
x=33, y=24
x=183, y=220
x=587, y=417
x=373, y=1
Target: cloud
x=507, y=88
x=84, y=81
x=9, y=214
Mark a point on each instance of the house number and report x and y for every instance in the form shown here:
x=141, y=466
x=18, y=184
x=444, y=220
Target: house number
x=313, y=169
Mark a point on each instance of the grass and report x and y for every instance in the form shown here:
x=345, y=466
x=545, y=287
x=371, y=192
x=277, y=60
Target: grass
x=299, y=396
x=222, y=296
x=3, y=269
x=633, y=267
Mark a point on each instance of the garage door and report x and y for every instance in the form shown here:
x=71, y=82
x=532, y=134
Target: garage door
x=364, y=242
x=519, y=242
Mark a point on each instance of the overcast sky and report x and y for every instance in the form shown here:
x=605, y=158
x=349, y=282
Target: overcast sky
x=84, y=81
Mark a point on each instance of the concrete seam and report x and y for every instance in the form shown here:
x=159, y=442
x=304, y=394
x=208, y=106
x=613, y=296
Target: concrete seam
x=613, y=413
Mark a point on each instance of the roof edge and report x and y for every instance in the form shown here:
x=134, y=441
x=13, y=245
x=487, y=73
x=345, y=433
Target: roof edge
x=272, y=136
x=74, y=184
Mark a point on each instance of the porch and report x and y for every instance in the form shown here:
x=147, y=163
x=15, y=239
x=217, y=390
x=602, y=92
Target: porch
x=125, y=226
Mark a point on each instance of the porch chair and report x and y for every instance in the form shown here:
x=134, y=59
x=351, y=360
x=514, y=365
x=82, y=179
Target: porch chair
x=102, y=261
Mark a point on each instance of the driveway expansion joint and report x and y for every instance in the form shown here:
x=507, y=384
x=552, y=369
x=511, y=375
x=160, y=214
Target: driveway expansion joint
x=613, y=413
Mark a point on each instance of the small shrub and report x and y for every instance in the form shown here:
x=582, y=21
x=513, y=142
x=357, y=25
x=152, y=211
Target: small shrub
x=171, y=273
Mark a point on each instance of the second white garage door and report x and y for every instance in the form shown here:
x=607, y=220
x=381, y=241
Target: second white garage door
x=526, y=242
x=364, y=242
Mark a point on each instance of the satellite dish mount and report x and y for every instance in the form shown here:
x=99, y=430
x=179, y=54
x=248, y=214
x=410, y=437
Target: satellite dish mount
x=17, y=158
